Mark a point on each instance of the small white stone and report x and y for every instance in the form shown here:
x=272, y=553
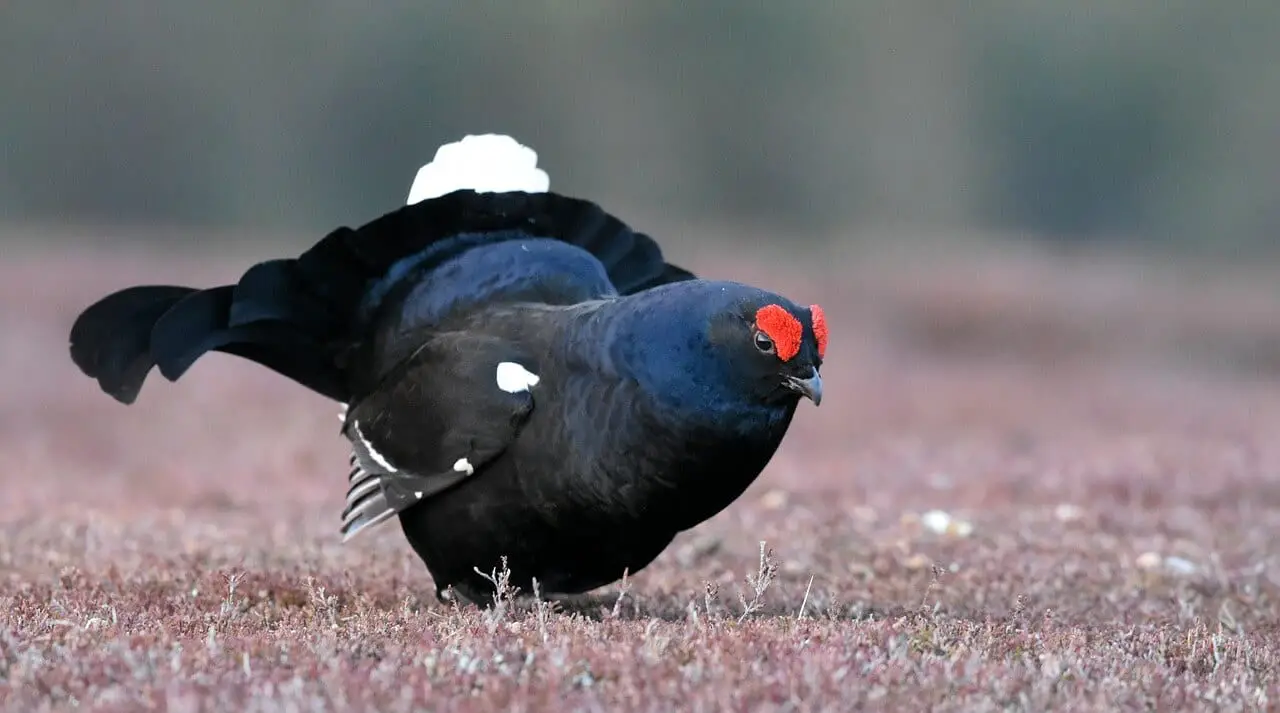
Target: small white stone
x=936, y=520
x=943, y=523
x=1148, y=560
x=514, y=378
x=373, y=453
x=462, y=465
x=417, y=494
x=774, y=500
x=1066, y=512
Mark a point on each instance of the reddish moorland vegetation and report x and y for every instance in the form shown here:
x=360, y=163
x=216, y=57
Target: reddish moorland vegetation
x=1099, y=440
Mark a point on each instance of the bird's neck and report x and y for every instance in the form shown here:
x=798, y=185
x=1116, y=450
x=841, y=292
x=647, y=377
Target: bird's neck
x=692, y=463
x=663, y=350
x=696, y=442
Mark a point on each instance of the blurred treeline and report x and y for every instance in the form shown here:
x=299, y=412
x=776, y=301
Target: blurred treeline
x=1153, y=121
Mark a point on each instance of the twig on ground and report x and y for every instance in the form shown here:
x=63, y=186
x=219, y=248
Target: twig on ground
x=503, y=592
x=623, y=588
x=766, y=571
x=805, y=601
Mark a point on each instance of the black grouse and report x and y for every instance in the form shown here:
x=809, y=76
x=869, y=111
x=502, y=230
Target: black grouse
x=520, y=373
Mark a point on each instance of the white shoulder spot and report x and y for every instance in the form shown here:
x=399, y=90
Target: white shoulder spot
x=514, y=378
x=462, y=465
x=373, y=452
x=485, y=163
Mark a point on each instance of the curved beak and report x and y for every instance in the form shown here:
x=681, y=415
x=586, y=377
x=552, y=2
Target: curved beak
x=810, y=387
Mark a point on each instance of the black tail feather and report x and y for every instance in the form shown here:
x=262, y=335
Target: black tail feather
x=193, y=326
x=299, y=316
x=308, y=292
x=433, y=229
x=119, y=339
x=201, y=322
x=111, y=340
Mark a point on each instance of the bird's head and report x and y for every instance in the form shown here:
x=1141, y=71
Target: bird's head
x=771, y=346
x=727, y=347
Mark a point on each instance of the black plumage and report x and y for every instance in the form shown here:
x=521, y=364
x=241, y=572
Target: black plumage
x=522, y=375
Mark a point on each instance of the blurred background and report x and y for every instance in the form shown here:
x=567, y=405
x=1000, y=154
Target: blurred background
x=1010, y=209
x=1145, y=122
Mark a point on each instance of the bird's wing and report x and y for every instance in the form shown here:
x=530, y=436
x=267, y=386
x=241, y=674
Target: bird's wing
x=438, y=418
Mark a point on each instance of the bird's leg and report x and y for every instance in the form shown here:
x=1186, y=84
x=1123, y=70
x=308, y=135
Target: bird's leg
x=461, y=594
x=579, y=602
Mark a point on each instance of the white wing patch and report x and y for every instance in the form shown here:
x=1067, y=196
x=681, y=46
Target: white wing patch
x=373, y=452
x=464, y=466
x=485, y=163
x=514, y=378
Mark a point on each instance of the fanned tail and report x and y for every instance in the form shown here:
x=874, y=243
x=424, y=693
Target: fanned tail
x=301, y=317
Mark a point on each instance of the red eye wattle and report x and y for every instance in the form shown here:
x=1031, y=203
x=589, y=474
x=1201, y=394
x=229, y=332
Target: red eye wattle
x=819, y=329
x=782, y=327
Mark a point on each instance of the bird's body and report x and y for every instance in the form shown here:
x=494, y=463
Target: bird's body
x=603, y=473
x=522, y=376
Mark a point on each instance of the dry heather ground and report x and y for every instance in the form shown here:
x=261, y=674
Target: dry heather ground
x=1102, y=436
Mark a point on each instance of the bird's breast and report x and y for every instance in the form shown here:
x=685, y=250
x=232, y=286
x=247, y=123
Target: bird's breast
x=636, y=471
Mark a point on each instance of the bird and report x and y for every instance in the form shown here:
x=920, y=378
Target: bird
x=523, y=378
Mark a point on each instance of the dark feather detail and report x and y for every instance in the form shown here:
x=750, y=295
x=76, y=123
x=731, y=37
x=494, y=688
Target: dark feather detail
x=303, y=316
x=460, y=417
x=367, y=503
x=201, y=322
x=111, y=340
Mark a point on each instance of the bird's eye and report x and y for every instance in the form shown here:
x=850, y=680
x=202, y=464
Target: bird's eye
x=764, y=343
